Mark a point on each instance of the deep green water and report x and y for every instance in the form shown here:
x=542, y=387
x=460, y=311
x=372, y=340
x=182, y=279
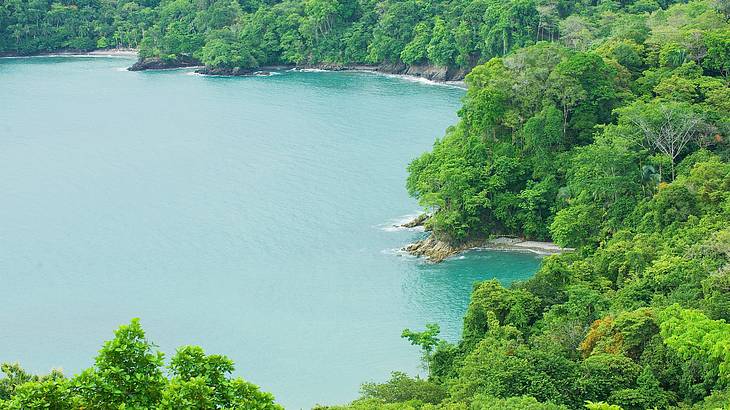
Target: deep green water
x=247, y=215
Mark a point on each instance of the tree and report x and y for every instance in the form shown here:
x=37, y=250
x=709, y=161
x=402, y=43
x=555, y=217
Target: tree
x=127, y=371
x=441, y=47
x=401, y=388
x=576, y=32
x=667, y=127
x=603, y=374
x=606, y=170
x=576, y=226
x=696, y=337
x=128, y=375
x=718, y=52
x=568, y=92
x=428, y=340
x=416, y=50
x=482, y=402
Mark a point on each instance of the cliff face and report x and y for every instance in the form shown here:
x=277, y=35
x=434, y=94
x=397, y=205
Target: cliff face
x=430, y=72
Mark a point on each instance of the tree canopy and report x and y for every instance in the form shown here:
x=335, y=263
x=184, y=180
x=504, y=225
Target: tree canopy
x=128, y=373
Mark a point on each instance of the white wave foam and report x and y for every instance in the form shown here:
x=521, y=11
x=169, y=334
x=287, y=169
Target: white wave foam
x=416, y=79
x=398, y=252
x=409, y=78
x=310, y=70
x=396, y=224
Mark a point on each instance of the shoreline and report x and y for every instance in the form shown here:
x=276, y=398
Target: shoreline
x=420, y=73
x=385, y=70
x=110, y=52
x=377, y=71
x=426, y=73
x=435, y=250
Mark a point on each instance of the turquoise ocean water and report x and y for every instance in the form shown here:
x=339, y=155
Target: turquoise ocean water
x=251, y=216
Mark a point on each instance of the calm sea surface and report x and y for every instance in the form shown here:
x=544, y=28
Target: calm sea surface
x=250, y=216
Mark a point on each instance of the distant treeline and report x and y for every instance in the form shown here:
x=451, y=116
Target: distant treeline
x=251, y=33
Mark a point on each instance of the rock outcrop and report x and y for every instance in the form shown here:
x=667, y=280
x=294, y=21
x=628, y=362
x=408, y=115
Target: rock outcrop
x=435, y=250
x=156, y=63
x=420, y=220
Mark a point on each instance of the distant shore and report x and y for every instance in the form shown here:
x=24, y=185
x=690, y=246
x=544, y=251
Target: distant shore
x=107, y=52
x=431, y=74
x=440, y=75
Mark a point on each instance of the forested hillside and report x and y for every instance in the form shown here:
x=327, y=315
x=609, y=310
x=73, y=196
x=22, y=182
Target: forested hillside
x=612, y=140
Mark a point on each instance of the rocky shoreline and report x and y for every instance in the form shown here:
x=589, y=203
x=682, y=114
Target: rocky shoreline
x=438, y=74
x=435, y=250
x=428, y=72
x=156, y=63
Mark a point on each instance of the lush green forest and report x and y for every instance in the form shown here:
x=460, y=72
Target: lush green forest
x=613, y=140
x=128, y=374
x=252, y=33
x=600, y=125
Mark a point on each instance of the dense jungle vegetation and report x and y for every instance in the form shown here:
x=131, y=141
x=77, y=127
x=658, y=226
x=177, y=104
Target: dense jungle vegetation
x=611, y=140
x=601, y=125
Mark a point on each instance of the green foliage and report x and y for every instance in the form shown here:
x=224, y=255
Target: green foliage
x=25, y=391
x=521, y=403
x=696, y=337
x=601, y=406
x=128, y=374
x=516, y=307
x=126, y=371
x=219, y=53
x=402, y=388
x=576, y=225
x=427, y=339
x=602, y=374
x=416, y=50
x=441, y=49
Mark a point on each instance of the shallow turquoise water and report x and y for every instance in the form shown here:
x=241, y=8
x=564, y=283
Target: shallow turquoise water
x=247, y=215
